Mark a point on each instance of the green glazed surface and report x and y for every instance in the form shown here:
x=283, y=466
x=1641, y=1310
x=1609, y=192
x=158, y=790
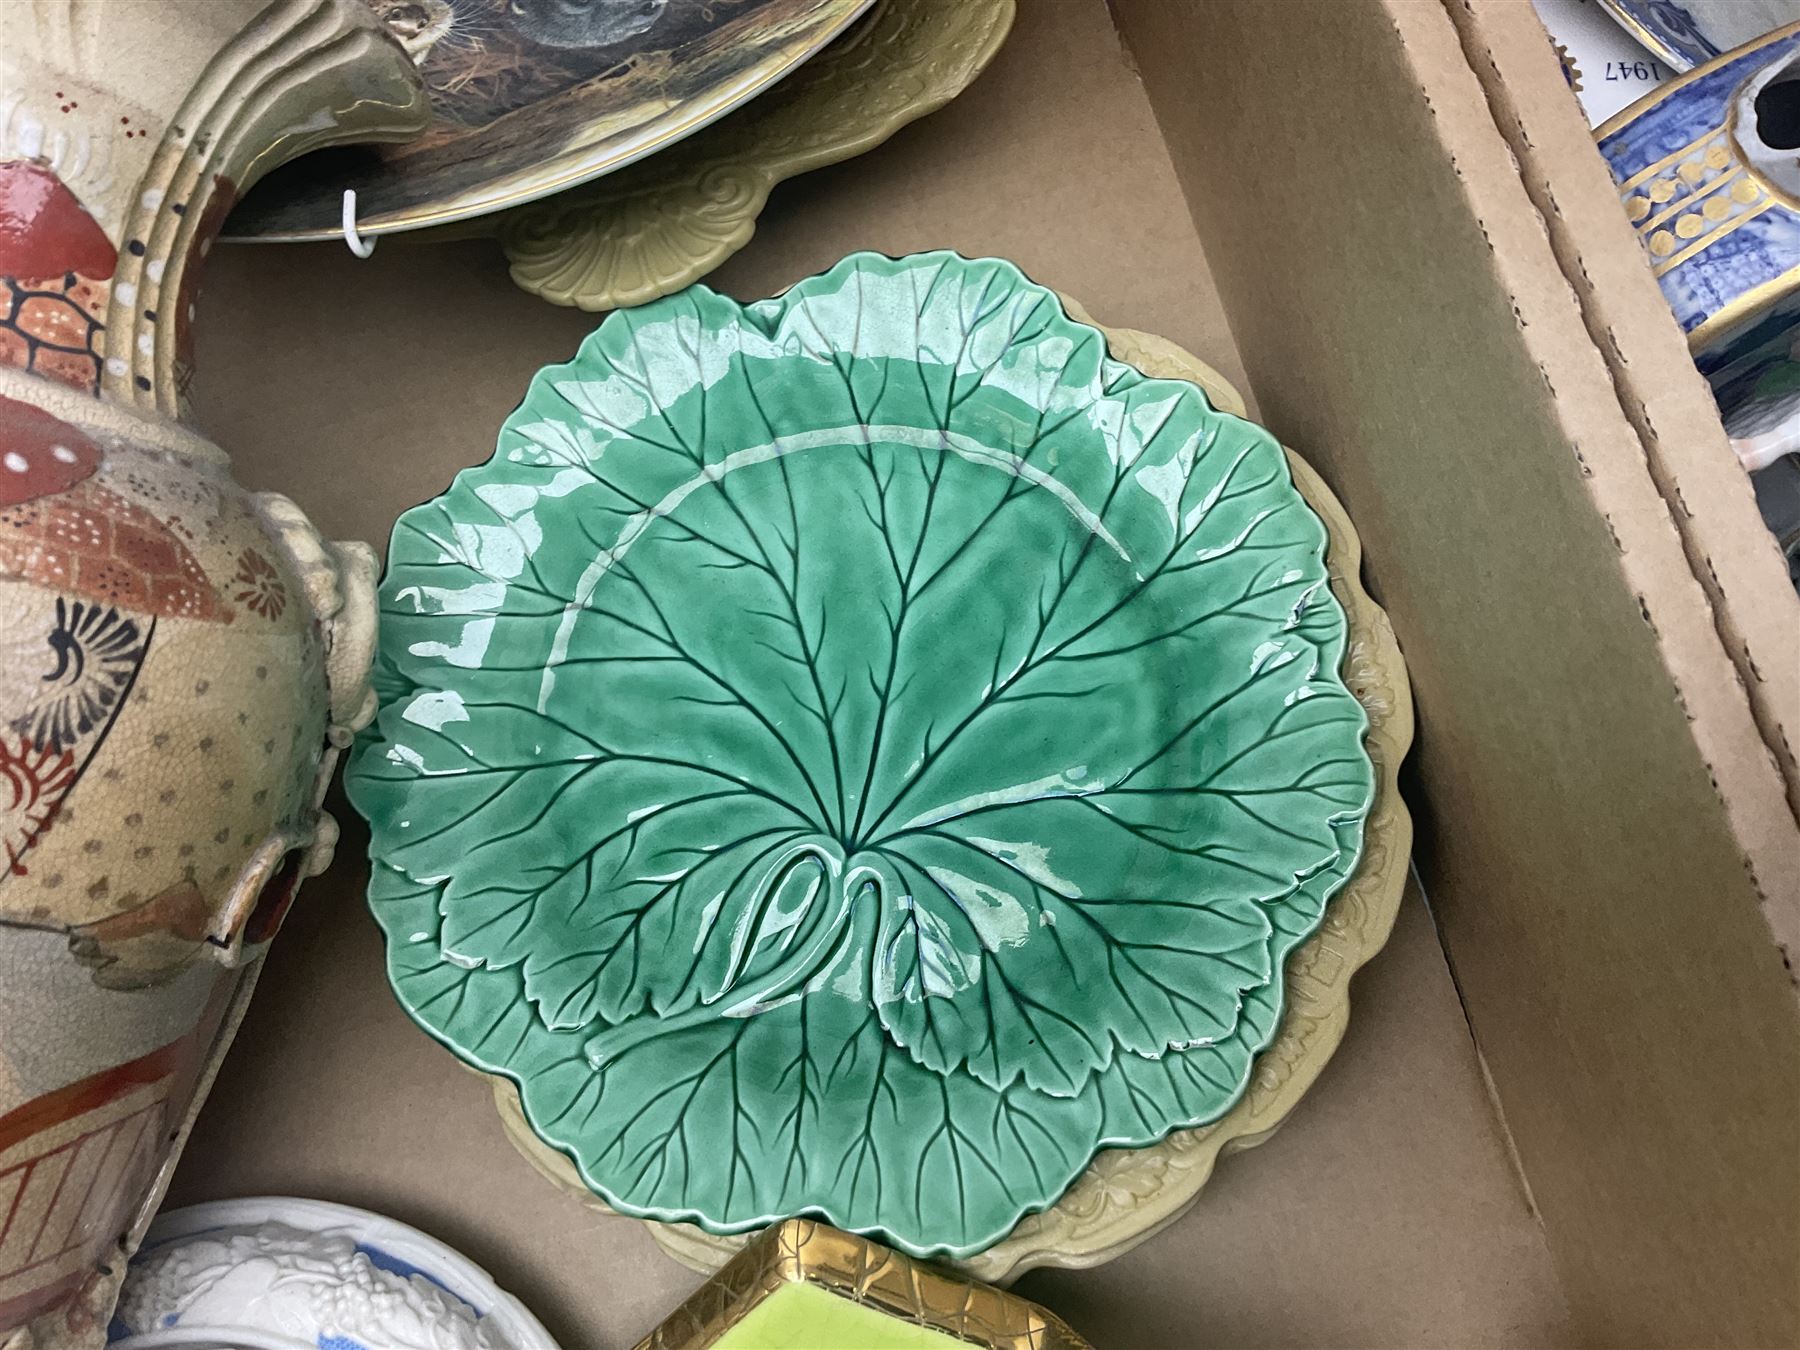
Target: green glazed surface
x=859, y=753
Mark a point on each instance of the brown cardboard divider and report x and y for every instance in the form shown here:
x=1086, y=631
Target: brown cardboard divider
x=1663, y=395
x=1603, y=829
x=1591, y=882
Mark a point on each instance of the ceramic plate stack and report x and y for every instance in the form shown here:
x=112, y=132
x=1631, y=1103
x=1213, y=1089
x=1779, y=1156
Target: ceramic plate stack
x=604, y=178
x=864, y=753
x=530, y=97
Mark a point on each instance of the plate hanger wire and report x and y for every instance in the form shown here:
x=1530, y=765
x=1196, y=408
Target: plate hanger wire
x=361, y=247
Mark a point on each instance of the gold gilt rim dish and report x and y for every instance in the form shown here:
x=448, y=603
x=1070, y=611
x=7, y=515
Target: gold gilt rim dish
x=653, y=228
x=530, y=97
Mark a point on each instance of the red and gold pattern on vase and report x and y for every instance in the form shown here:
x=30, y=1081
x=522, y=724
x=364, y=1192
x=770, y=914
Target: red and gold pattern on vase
x=179, y=659
x=107, y=557
x=33, y=779
x=75, y=1159
x=66, y=1159
x=259, y=586
x=55, y=261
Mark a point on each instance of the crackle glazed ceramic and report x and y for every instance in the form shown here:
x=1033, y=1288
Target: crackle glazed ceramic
x=1709, y=174
x=307, y=1275
x=1689, y=33
x=178, y=657
x=529, y=97
x=860, y=753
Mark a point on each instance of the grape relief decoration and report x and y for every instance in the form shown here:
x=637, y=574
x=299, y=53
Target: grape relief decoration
x=859, y=753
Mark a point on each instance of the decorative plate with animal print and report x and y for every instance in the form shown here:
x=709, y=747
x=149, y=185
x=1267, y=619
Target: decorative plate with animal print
x=532, y=96
x=859, y=754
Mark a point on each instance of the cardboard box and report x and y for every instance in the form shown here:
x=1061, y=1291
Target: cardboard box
x=1340, y=207
x=1605, y=829
x=1662, y=394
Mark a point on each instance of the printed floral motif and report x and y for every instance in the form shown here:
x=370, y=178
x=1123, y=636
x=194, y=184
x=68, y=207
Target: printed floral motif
x=62, y=687
x=93, y=656
x=33, y=780
x=259, y=585
x=1720, y=234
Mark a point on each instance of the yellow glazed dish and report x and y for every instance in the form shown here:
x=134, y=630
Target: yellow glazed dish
x=805, y=1286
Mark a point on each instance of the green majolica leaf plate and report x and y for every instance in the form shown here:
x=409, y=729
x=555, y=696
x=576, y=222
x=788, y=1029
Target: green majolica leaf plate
x=859, y=754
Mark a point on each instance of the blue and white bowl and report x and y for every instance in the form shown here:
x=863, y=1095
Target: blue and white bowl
x=287, y=1274
x=1716, y=207
x=1689, y=33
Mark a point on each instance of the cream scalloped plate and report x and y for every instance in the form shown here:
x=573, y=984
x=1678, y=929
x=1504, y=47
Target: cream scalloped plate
x=1127, y=1195
x=657, y=226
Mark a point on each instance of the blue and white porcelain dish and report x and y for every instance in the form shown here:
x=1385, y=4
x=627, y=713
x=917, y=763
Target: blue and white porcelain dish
x=1689, y=33
x=1715, y=206
x=288, y=1274
x=231, y=1338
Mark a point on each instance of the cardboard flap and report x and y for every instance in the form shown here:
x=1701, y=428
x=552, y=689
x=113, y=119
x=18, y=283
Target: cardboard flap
x=1733, y=555
x=1603, y=830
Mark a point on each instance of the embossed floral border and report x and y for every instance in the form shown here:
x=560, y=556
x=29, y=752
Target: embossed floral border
x=652, y=228
x=1127, y=1196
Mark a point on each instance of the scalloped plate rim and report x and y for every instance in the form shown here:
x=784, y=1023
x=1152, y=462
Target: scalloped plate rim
x=1376, y=886
x=1282, y=944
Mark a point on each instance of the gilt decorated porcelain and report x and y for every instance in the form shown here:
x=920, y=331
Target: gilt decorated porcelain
x=859, y=753
x=1709, y=177
x=804, y=1286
